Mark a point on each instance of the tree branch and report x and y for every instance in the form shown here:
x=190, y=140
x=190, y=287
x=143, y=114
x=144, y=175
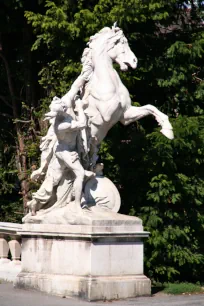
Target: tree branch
x=22, y=121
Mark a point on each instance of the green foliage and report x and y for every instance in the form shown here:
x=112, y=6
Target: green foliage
x=10, y=204
x=11, y=210
x=182, y=288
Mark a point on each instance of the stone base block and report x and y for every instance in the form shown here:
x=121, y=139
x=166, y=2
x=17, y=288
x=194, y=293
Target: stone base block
x=9, y=271
x=88, y=288
x=99, y=261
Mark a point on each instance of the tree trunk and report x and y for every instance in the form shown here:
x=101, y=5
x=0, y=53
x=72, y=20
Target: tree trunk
x=20, y=145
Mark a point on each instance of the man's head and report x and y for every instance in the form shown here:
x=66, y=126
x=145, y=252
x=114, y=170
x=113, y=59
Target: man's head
x=56, y=107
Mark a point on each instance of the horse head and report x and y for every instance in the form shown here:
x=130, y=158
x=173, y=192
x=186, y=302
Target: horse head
x=119, y=50
x=114, y=43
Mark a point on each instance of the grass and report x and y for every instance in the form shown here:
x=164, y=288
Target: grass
x=182, y=288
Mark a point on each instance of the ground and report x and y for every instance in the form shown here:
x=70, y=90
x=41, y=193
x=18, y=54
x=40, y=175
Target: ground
x=10, y=296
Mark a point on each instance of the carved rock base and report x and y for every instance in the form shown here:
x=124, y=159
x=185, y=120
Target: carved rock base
x=102, y=261
x=88, y=288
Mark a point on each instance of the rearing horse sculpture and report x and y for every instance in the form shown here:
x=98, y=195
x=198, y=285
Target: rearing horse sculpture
x=107, y=99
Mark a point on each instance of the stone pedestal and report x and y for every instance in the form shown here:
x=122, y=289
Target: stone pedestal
x=99, y=261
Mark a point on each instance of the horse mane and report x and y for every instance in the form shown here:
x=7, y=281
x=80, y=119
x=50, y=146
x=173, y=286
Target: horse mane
x=107, y=36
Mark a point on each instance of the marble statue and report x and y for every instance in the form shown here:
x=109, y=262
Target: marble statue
x=73, y=182
x=65, y=129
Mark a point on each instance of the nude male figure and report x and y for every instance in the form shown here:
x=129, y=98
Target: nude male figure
x=66, y=129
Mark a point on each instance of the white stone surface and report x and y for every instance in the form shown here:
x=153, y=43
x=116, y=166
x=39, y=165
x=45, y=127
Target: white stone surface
x=73, y=257
x=101, y=223
x=102, y=260
x=79, y=121
x=15, y=249
x=4, y=247
x=9, y=228
x=87, y=287
x=9, y=269
x=101, y=192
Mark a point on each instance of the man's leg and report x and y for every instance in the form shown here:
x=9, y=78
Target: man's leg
x=78, y=185
x=71, y=160
x=45, y=192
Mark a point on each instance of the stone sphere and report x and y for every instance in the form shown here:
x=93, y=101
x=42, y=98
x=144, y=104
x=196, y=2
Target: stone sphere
x=100, y=191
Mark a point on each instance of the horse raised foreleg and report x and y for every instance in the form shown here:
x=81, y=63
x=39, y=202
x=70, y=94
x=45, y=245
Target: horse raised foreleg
x=134, y=113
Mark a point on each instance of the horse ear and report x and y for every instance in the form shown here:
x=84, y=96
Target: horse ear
x=114, y=27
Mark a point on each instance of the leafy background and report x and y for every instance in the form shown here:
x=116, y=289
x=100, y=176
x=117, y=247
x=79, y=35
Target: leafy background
x=160, y=181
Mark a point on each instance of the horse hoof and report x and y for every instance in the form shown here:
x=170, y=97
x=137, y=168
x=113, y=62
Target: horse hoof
x=166, y=124
x=168, y=133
